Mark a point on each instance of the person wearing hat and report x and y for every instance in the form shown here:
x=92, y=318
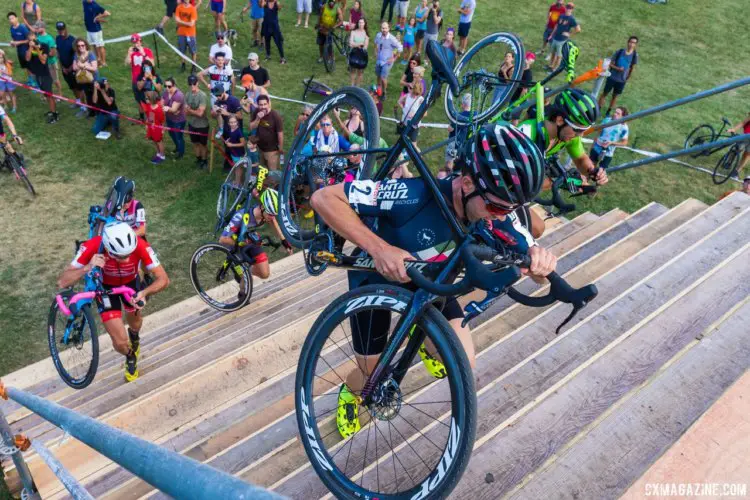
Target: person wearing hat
x=220, y=46
x=224, y=106
x=104, y=99
x=137, y=54
x=260, y=74
x=45, y=38
x=252, y=92
x=566, y=26
x=196, y=104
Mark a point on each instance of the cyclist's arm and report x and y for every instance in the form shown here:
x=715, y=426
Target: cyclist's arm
x=71, y=275
x=332, y=204
x=85, y=260
x=9, y=124
x=278, y=232
x=161, y=281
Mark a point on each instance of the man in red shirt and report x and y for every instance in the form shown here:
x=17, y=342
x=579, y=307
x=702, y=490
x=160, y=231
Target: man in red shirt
x=136, y=55
x=556, y=10
x=119, y=253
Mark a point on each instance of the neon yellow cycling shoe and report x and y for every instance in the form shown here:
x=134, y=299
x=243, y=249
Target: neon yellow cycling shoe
x=131, y=367
x=434, y=366
x=347, y=416
x=309, y=214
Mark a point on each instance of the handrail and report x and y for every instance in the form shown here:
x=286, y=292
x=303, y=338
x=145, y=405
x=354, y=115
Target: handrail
x=8, y=445
x=174, y=474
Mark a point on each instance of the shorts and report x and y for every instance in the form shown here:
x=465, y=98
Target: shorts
x=556, y=47
x=95, y=38
x=430, y=36
x=402, y=8
x=53, y=72
x=6, y=86
x=364, y=323
x=70, y=79
x=140, y=95
x=217, y=7
x=198, y=139
x=463, y=29
x=614, y=86
x=185, y=42
x=546, y=35
x=408, y=45
x=117, y=303
x=45, y=82
x=382, y=70
x=321, y=38
x=419, y=35
x=155, y=134
x=596, y=154
x=255, y=253
x=304, y=6
x=171, y=7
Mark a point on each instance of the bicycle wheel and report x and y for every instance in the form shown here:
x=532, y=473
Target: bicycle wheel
x=221, y=280
x=341, y=45
x=726, y=166
x=73, y=345
x=20, y=172
x=303, y=162
x=416, y=436
x=232, y=193
x=701, y=134
x=329, y=59
x=477, y=74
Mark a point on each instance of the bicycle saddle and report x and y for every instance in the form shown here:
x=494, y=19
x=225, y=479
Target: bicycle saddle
x=440, y=67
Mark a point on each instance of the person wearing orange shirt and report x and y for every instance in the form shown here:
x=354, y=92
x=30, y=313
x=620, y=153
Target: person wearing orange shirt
x=186, y=17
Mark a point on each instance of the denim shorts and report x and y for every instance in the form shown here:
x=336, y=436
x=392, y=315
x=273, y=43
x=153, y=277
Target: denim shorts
x=382, y=70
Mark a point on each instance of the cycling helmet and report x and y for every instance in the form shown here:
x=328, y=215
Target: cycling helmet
x=119, y=239
x=505, y=162
x=124, y=189
x=580, y=109
x=270, y=201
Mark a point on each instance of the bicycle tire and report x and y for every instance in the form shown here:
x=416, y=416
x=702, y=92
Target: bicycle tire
x=215, y=290
x=342, y=46
x=499, y=98
x=53, y=335
x=443, y=477
x=726, y=166
x=316, y=86
x=293, y=176
x=20, y=171
x=329, y=57
x=700, y=135
x=231, y=195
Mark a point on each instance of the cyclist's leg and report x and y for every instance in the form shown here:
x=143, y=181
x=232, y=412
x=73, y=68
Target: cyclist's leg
x=369, y=336
x=260, y=267
x=114, y=325
x=454, y=314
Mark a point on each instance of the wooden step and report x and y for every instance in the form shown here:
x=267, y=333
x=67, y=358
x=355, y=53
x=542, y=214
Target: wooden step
x=567, y=229
x=516, y=363
x=621, y=446
x=517, y=446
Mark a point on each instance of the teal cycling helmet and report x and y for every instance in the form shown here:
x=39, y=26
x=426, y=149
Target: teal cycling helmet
x=270, y=201
x=503, y=161
x=579, y=108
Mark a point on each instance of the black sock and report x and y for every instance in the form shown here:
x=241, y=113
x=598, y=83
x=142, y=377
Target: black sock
x=134, y=337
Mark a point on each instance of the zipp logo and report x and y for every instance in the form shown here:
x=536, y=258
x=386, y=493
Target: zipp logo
x=374, y=300
x=432, y=482
x=319, y=111
x=286, y=221
x=319, y=455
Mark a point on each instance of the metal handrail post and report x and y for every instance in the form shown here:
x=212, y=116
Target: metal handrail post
x=75, y=489
x=23, y=469
x=174, y=474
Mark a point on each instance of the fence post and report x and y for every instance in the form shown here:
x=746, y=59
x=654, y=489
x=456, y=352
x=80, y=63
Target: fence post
x=10, y=447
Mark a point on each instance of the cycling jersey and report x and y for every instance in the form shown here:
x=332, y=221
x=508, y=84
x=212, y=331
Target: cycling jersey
x=407, y=216
x=532, y=127
x=116, y=272
x=252, y=239
x=135, y=215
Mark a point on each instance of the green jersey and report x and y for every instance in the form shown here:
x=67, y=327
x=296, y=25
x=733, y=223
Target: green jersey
x=47, y=40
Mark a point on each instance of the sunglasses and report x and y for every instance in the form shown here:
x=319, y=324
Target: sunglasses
x=325, y=124
x=169, y=86
x=496, y=209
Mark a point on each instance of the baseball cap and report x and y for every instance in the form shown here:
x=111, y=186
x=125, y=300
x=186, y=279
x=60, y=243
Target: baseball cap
x=220, y=34
x=60, y=25
x=530, y=56
x=217, y=90
x=192, y=80
x=374, y=89
x=247, y=80
x=135, y=38
x=570, y=5
x=252, y=56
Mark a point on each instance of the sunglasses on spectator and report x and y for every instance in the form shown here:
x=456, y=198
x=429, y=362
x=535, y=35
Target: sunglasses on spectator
x=325, y=124
x=169, y=86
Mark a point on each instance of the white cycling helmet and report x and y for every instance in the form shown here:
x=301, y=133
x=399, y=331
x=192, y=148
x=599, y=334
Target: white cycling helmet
x=119, y=239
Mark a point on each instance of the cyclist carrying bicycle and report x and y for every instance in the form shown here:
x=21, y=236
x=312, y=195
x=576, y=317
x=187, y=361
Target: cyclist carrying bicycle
x=252, y=219
x=501, y=170
x=119, y=253
x=330, y=18
x=5, y=121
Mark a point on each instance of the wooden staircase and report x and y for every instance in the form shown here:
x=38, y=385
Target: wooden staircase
x=581, y=414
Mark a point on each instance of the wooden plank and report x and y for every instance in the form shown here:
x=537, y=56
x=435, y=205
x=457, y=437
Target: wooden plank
x=605, y=221
x=605, y=462
x=512, y=449
x=567, y=229
x=512, y=354
x=713, y=450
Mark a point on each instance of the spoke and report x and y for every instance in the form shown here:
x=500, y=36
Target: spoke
x=351, y=342
x=332, y=368
x=420, y=432
x=427, y=414
x=395, y=459
x=410, y=446
x=333, y=384
x=364, y=459
x=377, y=458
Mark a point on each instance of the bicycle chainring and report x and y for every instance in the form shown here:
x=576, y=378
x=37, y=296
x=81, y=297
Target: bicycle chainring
x=321, y=243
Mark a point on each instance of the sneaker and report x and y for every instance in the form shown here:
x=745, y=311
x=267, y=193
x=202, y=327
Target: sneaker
x=320, y=60
x=283, y=61
x=219, y=133
x=13, y=110
x=51, y=117
x=548, y=57
x=135, y=343
x=297, y=25
x=131, y=367
x=204, y=164
x=156, y=159
x=267, y=58
x=255, y=43
x=347, y=416
x=433, y=365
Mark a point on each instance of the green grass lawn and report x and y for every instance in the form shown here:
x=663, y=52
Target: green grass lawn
x=685, y=47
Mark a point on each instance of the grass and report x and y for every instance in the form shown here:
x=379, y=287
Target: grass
x=684, y=48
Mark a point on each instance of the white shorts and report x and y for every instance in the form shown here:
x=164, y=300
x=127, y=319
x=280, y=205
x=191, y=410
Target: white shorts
x=402, y=8
x=304, y=6
x=95, y=39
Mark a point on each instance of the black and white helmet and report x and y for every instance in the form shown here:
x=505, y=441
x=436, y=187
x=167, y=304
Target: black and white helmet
x=124, y=190
x=119, y=239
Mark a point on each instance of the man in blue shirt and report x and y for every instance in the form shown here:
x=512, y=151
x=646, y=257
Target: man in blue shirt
x=93, y=15
x=566, y=27
x=18, y=34
x=620, y=69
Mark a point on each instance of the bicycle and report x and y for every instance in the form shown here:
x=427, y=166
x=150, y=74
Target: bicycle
x=336, y=41
x=316, y=87
x=728, y=165
x=706, y=133
x=15, y=162
x=386, y=394
x=236, y=187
